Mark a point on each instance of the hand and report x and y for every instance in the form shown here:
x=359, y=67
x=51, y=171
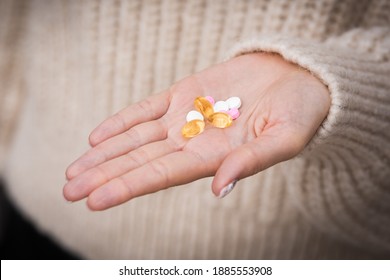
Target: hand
x=140, y=150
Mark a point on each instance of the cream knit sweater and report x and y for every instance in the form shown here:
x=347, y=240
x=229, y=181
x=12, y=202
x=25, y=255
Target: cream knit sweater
x=67, y=65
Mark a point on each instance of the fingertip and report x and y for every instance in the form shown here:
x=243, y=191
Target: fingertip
x=98, y=134
x=76, y=168
x=221, y=190
x=98, y=201
x=68, y=193
x=237, y=165
x=79, y=187
x=217, y=185
x=65, y=194
x=94, y=138
x=227, y=189
x=92, y=205
x=71, y=172
x=223, y=180
x=230, y=169
x=87, y=161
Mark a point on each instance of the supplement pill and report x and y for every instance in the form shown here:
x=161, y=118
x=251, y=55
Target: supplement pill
x=220, y=106
x=194, y=115
x=221, y=120
x=234, y=113
x=210, y=99
x=234, y=102
x=204, y=106
x=193, y=128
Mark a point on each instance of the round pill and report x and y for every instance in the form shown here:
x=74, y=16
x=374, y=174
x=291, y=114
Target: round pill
x=193, y=128
x=210, y=99
x=204, y=106
x=234, y=113
x=194, y=115
x=221, y=120
x=221, y=106
x=234, y=102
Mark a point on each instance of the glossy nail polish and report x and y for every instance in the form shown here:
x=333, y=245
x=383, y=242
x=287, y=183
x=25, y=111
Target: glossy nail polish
x=226, y=190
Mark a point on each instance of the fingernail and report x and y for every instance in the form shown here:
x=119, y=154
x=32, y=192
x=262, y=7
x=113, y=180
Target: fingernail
x=226, y=190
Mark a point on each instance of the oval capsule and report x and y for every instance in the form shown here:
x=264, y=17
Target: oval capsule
x=221, y=120
x=193, y=128
x=204, y=106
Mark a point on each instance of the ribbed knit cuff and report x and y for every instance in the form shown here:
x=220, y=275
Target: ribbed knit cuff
x=340, y=180
x=356, y=81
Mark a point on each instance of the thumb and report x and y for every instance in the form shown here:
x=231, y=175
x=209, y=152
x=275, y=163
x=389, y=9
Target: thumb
x=255, y=156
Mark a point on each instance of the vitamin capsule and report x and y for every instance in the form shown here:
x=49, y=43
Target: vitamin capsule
x=234, y=113
x=193, y=128
x=221, y=120
x=234, y=102
x=204, y=106
x=220, y=106
x=210, y=99
x=194, y=115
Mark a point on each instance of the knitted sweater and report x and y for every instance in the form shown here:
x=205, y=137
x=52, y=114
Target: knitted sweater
x=67, y=65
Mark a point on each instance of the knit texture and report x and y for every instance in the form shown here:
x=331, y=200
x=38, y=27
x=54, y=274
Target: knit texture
x=67, y=65
x=350, y=191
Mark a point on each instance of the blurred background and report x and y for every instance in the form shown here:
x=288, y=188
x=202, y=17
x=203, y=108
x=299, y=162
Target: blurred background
x=20, y=240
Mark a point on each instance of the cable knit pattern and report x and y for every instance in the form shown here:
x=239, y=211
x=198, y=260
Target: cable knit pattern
x=67, y=65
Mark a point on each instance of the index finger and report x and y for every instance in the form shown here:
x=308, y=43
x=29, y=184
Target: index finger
x=149, y=109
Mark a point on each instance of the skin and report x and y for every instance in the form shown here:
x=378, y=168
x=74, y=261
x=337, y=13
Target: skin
x=140, y=150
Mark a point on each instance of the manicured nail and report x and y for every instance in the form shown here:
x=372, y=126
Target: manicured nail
x=226, y=190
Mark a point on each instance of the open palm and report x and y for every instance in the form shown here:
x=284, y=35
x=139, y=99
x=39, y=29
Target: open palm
x=140, y=149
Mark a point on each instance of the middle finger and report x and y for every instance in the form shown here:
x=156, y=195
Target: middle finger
x=118, y=145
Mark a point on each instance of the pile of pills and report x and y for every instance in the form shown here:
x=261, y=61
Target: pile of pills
x=219, y=114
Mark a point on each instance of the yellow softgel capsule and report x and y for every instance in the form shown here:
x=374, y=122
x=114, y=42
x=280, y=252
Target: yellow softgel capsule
x=221, y=120
x=193, y=128
x=204, y=106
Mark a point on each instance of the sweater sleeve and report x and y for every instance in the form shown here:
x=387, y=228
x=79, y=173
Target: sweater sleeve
x=341, y=181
